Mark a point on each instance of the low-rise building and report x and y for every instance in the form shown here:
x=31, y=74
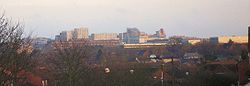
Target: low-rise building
x=149, y=45
x=104, y=43
x=168, y=59
x=226, y=39
x=194, y=41
x=158, y=41
x=104, y=36
x=192, y=58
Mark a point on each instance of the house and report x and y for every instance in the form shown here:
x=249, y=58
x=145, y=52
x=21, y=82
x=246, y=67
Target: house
x=30, y=79
x=167, y=59
x=192, y=58
x=222, y=67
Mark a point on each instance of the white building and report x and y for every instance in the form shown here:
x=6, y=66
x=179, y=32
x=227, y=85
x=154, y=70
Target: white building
x=77, y=33
x=80, y=33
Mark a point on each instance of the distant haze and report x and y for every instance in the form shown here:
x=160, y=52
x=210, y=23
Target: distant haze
x=199, y=18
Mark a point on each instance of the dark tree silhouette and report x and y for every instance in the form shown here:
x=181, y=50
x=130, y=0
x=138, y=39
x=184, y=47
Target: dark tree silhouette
x=69, y=61
x=15, y=53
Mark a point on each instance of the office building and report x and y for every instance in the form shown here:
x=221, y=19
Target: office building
x=40, y=42
x=57, y=37
x=133, y=35
x=104, y=43
x=76, y=34
x=125, y=37
x=66, y=36
x=80, y=33
x=120, y=36
x=161, y=33
x=104, y=36
x=143, y=39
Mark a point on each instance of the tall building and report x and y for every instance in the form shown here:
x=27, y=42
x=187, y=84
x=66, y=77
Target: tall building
x=226, y=39
x=66, y=35
x=133, y=35
x=104, y=36
x=161, y=33
x=120, y=36
x=77, y=33
x=125, y=37
x=57, y=37
x=80, y=33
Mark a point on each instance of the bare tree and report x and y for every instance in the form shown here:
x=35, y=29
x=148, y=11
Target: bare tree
x=15, y=53
x=69, y=61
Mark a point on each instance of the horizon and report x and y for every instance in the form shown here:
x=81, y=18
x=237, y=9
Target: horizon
x=209, y=18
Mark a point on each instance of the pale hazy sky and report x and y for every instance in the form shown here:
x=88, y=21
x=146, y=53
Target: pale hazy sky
x=201, y=18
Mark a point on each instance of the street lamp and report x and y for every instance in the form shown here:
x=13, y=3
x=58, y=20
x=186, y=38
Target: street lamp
x=162, y=74
x=132, y=76
x=187, y=73
x=107, y=70
x=131, y=71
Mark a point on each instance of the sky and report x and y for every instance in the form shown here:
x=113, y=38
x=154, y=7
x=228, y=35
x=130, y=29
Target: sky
x=197, y=18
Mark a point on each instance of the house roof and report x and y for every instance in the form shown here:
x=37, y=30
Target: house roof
x=225, y=62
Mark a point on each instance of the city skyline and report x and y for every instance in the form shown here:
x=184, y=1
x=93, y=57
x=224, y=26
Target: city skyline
x=194, y=18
